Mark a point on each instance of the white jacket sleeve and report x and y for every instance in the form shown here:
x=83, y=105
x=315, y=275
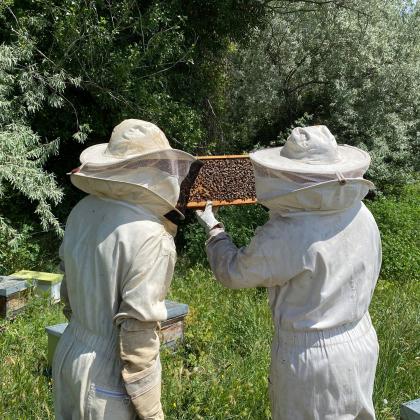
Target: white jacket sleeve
x=237, y=268
x=147, y=282
x=142, y=307
x=256, y=265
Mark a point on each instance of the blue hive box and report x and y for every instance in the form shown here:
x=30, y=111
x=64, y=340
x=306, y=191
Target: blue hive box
x=410, y=410
x=172, y=330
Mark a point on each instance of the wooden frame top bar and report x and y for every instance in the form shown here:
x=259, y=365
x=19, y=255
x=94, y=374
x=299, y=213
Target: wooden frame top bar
x=217, y=203
x=224, y=157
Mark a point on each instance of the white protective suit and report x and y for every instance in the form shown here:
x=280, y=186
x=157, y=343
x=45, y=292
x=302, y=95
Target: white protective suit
x=319, y=255
x=118, y=254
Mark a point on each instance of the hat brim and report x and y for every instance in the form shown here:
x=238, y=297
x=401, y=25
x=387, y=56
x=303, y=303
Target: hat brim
x=123, y=191
x=350, y=159
x=96, y=156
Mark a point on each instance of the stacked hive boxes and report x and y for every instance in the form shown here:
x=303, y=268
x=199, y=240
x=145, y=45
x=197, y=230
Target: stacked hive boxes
x=44, y=283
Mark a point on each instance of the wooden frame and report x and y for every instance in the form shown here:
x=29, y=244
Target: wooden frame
x=218, y=203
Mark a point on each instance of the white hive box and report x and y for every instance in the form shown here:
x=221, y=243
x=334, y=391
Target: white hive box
x=410, y=410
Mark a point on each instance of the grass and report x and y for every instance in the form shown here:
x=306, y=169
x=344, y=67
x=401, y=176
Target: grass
x=221, y=371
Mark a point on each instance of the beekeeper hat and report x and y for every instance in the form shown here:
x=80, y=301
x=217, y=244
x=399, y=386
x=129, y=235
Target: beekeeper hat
x=137, y=165
x=310, y=172
x=314, y=150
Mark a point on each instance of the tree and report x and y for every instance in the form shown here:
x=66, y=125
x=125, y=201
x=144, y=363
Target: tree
x=72, y=69
x=350, y=65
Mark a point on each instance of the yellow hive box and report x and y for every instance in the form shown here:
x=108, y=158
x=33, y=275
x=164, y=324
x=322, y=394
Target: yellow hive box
x=45, y=283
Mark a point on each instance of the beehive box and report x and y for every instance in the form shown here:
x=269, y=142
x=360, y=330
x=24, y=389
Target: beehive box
x=54, y=333
x=172, y=330
x=410, y=410
x=44, y=283
x=225, y=180
x=13, y=296
x=171, y=334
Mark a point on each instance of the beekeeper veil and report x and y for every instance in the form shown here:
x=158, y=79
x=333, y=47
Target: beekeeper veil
x=137, y=165
x=310, y=173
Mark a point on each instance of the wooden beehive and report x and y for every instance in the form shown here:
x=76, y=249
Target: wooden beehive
x=13, y=296
x=224, y=180
x=171, y=333
x=172, y=330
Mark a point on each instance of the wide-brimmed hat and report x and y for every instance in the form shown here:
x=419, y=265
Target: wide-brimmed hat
x=313, y=150
x=310, y=172
x=137, y=165
x=129, y=139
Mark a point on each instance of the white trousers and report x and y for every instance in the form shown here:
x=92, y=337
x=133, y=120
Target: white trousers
x=324, y=375
x=87, y=377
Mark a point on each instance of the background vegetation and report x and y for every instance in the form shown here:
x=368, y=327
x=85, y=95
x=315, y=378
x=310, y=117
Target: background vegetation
x=223, y=76
x=218, y=77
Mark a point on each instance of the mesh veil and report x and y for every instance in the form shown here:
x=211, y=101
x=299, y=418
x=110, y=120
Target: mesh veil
x=161, y=172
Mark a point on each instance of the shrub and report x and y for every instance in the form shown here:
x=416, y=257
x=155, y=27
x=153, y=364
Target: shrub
x=398, y=222
x=350, y=66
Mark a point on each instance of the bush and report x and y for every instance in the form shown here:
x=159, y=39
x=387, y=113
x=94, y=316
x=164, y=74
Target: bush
x=398, y=222
x=27, y=249
x=350, y=66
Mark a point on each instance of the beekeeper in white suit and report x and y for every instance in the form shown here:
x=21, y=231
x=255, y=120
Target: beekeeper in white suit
x=319, y=255
x=118, y=254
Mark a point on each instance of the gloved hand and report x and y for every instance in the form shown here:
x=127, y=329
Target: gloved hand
x=206, y=218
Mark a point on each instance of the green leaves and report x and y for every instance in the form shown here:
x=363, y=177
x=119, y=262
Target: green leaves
x=353, y=68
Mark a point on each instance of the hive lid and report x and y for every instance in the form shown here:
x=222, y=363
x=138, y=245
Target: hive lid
x=57, y=329
x=10, y=285
x=39, y=276
x=175, y=309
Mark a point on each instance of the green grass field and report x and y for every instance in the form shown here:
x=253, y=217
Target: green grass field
x=221, y=370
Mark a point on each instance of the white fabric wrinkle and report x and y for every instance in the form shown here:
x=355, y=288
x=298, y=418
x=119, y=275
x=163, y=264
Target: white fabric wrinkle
x=243, y=264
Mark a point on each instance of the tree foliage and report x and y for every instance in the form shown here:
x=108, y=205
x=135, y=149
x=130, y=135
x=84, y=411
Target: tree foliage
x=352, y=65
x=220, y=76
x=70, y=69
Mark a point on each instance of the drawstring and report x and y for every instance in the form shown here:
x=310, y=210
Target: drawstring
x=76, y=170
x=340, y=177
